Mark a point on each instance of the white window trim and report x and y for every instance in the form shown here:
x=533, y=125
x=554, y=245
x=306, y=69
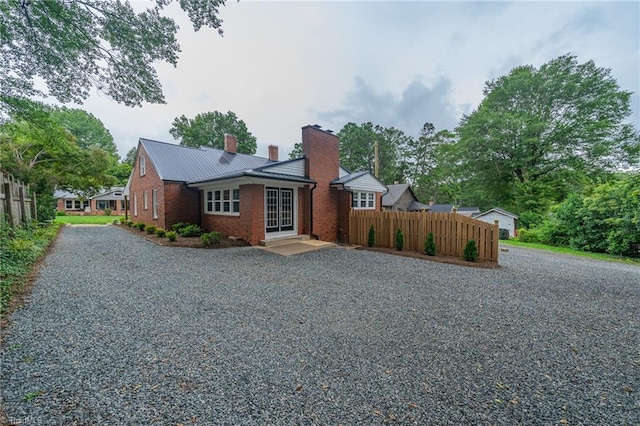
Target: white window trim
x=358, y=198
x=135, y=204
x=143, y=165
x=154, y=202
x=231, y=201
x=145, y=200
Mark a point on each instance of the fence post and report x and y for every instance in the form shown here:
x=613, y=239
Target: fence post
x=8, y=200
x=23, y=204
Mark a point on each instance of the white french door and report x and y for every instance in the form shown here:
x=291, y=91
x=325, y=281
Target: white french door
x=280, y=209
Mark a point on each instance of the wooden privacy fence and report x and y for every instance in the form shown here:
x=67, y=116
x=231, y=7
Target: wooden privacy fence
x=450, y=230
x=16, y=206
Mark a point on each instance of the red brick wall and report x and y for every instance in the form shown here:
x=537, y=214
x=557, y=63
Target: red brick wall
x=140, y=184
x=179, y=203
x=176, y=201
x=303, y=210
x=321, y=150
x=249, y=225
x=344, y=207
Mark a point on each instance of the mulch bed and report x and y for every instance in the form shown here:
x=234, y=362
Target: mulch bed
x=191, y=242
x=437, y=258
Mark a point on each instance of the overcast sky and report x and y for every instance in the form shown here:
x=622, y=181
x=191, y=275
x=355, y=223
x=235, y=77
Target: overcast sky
x=283, y=65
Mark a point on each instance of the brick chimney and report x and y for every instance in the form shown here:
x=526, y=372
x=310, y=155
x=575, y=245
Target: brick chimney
x=273, y=153
x=230, y=143
x=431, y=202
x=322, y=151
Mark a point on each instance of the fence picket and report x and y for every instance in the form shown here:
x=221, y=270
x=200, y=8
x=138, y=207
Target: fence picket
x=451, y=231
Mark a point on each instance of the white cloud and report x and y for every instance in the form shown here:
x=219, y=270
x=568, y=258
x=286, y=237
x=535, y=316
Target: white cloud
x=281, y=66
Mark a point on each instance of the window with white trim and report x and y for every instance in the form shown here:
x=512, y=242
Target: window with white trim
x=135, y=204
x=154, y=203
x=143, y=165
x=223, y=201
x=145, y=201
x=364, y=200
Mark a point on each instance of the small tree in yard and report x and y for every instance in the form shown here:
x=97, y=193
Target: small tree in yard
x=399, y=240
x=470, y=253
x=371, y=240
x=430, y=245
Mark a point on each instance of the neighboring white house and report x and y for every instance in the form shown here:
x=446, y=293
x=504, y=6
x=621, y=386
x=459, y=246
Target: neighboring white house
x=506, y=220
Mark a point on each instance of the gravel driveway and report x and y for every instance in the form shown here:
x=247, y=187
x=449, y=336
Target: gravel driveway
x=120, y=331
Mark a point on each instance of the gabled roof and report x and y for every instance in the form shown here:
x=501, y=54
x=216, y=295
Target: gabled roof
x=498, y=210
x=441, y=208
x=360, y=181
x=416, y=206
x=109, y=194
x=349, y=177
x=469, y=209
x=395, y=192
x=59, y=193
x=185, y=164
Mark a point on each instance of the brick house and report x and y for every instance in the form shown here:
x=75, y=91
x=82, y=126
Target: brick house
x=251, y=197
x=109, y=200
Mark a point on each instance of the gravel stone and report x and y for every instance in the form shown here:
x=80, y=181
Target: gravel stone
x=122, y=331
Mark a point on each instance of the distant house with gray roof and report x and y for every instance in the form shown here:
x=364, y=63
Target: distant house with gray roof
x=400, y=198
x=247, y=196
x=506, y=220
x=110, y=200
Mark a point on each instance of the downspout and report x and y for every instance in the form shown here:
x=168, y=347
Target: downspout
x=126, y=208
x=311, y=234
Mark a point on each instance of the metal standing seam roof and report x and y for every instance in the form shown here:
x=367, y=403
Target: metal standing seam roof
x=347, y=178
x=185, y=164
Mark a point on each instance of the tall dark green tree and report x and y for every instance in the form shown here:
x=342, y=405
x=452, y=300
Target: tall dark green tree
x=208, y=129
x=431, y=162
x=77, y=46
x=541, y=133
x=357, y=150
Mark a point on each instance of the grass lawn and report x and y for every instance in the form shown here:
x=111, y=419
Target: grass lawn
x=566, y=250
x=86, y=220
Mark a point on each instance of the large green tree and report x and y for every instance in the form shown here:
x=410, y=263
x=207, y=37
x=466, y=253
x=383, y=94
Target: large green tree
x=36, y=149
x=357, y=149
x=541, y=133
x=208, y=129
x=88, y=130
x=77, y=46
x=431, y=160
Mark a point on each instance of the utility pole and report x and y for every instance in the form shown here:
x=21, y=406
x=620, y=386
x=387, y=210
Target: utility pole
x=376, y=165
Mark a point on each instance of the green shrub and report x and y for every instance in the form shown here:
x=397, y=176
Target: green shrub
x=430, y=245
x=211, y=238
x=160, y=232
x=470, y=253
x=171, y=235
x=116, y=221
x=107, y=212
x=371, y=238
x=61, y=213
x=20, y=248
x=46, y=207
x=129, y=223
x=141, y=226
x=151, y=229
x=190, y=231
x=178, y=226
x=399, y=239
